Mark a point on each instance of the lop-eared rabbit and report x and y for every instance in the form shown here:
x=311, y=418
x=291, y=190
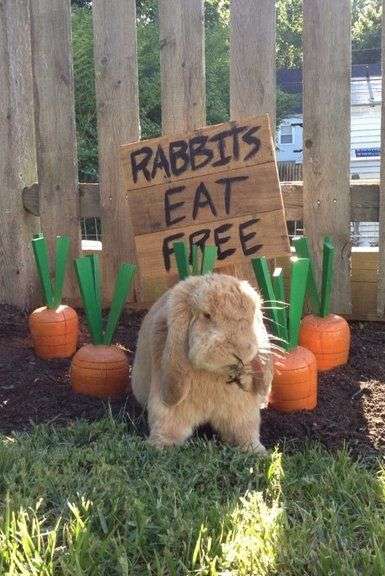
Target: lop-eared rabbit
x=203, y=356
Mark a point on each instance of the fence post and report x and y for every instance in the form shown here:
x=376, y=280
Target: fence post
x=181, y=24
x=252, y=63
x=252, y=70
x=381, y=256
x=327, y=70
x=55, y=125
x=116, y=80
x=17, y=157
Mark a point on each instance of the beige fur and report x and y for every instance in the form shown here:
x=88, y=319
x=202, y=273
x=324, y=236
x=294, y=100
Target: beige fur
x=203, y=333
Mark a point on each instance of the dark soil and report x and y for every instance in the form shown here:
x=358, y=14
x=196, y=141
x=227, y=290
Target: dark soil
x=351, y=407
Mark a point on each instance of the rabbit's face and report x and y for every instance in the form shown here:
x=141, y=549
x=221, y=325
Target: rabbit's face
x=226, y=330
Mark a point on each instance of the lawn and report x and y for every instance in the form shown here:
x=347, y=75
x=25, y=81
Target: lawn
x=94, y=499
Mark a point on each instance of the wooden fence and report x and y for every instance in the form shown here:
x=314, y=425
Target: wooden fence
x=290, y=172
x=38, y=168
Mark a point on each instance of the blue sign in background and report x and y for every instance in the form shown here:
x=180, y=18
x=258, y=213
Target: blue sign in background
x=365, y=152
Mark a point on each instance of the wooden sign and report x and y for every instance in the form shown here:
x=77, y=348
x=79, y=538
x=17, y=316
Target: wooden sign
x=218, y=184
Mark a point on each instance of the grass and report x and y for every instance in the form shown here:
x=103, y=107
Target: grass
x=94, y=499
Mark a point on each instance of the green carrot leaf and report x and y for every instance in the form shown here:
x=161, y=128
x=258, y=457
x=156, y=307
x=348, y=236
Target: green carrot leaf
x=61, y=257
x=209, y=259
x=196, y=258
x=97, y=280
x=182, y=262
x=279, y=291
x=86, y=280
x=40, y=251
x=298, y=285
x=327, y=276
x=123, y=285
x=303, y=251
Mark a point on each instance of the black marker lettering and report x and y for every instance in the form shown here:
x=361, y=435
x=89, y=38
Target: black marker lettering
x=160, y=161
x=202, y=192
x=218, y=241
x=235, y=130
x=227, y=191
x=141, y=166
x=199, y=238
x=248, y=251
x=168, y=248
x=178, y=151
x=197, y=148
x=220, y=138
x=249, y=138
x=168, y=207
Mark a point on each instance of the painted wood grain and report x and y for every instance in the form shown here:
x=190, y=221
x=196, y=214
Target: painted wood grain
x=238, y=240
x=18, y=283
x=327, y=59
x=116, y=81
x=181, y=30
x=55, y=125
x=364, y=200
x=251, y=190
x=252, y=58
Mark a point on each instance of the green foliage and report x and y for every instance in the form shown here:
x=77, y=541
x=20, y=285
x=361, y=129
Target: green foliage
x=96, y=500
x=85, y=101
x=366, y=31
x=289, y=33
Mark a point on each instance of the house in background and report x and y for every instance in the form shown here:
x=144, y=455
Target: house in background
x=365, y=136
x=365, y=122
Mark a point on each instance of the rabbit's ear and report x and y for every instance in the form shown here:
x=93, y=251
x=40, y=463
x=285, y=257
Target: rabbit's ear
x=174, y=386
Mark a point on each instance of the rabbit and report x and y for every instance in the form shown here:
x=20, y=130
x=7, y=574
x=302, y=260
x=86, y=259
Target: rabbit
x=204, y=357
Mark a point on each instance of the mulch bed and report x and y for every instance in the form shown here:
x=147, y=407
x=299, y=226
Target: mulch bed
x=351, y=407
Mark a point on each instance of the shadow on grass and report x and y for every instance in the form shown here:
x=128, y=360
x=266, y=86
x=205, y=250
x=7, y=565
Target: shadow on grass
x=94, y=499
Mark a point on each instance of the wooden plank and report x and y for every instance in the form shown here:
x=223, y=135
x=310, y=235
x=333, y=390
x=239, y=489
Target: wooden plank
x=251, y=190
x=116, y=81
x=55, y=125
x=18, y=279
x=90, y=200
x=364, y=299
x=208, y=150
x=252, y=66
x=381, y=275
x=213, y=187
x=156, y=263
x=364, y=200
x=327, y=51
x=252, y=59
x=181, y=30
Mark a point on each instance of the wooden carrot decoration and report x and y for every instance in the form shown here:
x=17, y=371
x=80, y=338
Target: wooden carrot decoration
x=54, y=327
x=203, y=261
x=326, y=335
x=101, y=369
x=295, y=373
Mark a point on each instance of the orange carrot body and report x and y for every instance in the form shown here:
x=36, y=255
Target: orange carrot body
x=99, y=370
x=54, y=332
x=328, y=338
x=295, y=381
